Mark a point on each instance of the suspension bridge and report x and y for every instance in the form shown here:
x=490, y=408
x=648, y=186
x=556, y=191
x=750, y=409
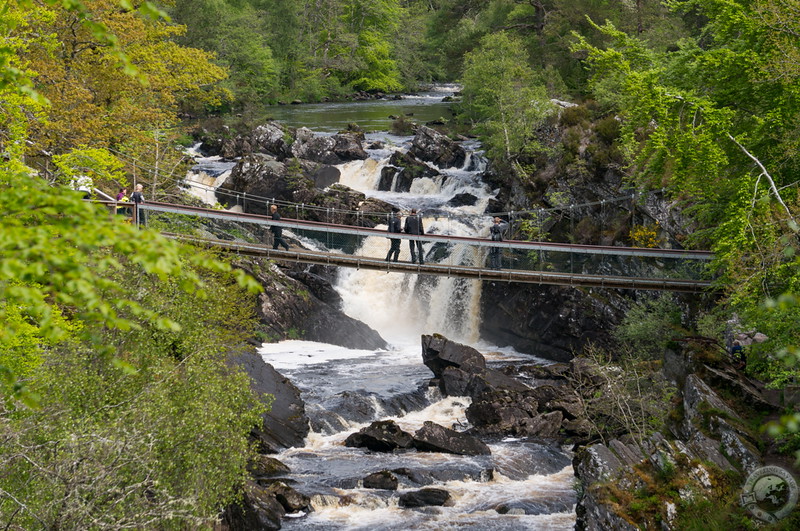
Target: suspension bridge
x=365, y=248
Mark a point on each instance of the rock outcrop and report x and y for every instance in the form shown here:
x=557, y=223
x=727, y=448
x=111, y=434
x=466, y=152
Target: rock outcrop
x=285, y=424
x=432, y=146
x=706, y=455
x=288, y=307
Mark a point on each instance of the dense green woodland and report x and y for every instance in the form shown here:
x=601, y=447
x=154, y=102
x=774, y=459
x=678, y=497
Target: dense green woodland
x=117, y=403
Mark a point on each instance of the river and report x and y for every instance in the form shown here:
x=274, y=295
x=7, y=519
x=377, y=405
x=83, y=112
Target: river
x=523, y=484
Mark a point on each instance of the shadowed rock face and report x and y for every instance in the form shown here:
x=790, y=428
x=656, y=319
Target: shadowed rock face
x=432, y=437
x=286, y=424
x=289, y=306
x=549, y=321
x=380, y=436
x=438, y=352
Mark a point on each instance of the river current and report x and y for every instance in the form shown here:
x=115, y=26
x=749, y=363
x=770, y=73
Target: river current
x=523, y=484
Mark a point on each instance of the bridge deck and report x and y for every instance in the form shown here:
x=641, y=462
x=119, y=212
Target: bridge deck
x=478, y=273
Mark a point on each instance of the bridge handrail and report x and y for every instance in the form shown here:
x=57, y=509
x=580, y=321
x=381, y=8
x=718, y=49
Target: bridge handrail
x=435, y=238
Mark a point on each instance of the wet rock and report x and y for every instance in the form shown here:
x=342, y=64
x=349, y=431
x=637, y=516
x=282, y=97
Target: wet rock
x=259, y=510
x=266, y=466
x=380, y=436
x=510, y=413
x=563, y=399
x=475, y=381
x=381, y=480
x=432, y=437
x=336, y=149
x=291, y=500
x=401, y=172
x=439, y=352
x=259, y=176
x=426, y=497
x=319, y=286
x=549, y=321
x=287, y=306
x=463, y=199
x=432, y=146
x=554, y=371
x=285, y=424
x=325, y=176
x=444, y=474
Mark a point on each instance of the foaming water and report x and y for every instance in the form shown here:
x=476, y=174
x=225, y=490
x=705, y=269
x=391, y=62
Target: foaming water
x=522, y=485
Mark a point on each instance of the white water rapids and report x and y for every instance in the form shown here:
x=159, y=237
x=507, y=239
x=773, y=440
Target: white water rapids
x=523, y=484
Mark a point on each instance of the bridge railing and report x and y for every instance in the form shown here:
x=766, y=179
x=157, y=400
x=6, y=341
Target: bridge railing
x=455, y=251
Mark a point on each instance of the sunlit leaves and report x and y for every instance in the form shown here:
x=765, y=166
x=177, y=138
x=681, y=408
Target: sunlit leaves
x=499, y=94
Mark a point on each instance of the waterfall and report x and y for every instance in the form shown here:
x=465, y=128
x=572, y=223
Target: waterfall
x=402, y=306
x=207, y=174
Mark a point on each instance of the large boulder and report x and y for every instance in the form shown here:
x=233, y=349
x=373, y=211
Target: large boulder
x=336, y=149
x=439, y=352
x=383, y=480
x=285, y=424
x=403, y=169
x=426, y=497
x=455, y=381
x=380, y=436
x=432, y=437
x=261, y=177
x=259, y=509
x=432, y=146
x=512, y=413
x=291, y=499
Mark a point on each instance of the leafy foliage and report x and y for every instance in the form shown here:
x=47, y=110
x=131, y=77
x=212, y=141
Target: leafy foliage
x=498, y=94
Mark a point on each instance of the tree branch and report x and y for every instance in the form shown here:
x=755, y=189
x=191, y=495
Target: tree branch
x=764, y=173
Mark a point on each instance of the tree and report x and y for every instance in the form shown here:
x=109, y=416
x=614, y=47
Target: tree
x=500, y=96
x=103, y=432
x=95, y=103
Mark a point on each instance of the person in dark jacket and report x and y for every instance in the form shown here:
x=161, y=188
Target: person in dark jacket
x=738, y=355
x=413, y=225
x=496, y=232
x=138, y=198
x=277, y=232
x=394, y=227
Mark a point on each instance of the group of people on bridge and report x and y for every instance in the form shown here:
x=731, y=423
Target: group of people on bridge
x=413, y=226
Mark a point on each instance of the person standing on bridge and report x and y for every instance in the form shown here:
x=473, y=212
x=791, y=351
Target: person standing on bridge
x=496, y=232
x=277, y=232
x=395, y=227
x=138, y=198
x=413, y=225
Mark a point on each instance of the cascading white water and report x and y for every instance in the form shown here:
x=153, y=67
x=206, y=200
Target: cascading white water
x=208, y=174
x=402, y=306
